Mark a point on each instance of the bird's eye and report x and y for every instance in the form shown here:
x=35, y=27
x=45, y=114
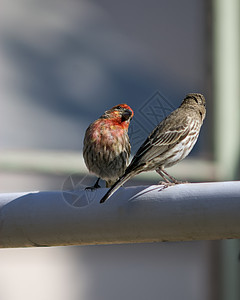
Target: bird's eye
x=119, y=107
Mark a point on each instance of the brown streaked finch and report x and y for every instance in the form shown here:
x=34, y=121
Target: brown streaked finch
x=106, y=147
x=171, y=141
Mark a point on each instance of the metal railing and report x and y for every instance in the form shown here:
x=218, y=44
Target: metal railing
x=196, y=211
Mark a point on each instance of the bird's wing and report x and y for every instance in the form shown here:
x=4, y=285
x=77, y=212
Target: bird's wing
x=162, y=137
x=169, y=137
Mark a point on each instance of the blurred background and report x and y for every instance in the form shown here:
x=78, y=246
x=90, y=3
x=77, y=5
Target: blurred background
x=63, y=63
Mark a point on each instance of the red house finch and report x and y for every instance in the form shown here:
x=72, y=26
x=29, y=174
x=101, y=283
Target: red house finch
x=171, y=141
x=106, y=147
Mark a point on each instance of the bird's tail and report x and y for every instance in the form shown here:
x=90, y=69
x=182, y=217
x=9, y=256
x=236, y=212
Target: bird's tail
x=117, y=185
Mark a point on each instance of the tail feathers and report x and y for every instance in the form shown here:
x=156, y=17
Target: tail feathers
x=116, y=186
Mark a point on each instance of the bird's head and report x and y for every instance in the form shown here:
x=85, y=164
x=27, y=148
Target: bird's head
x=119, y=113
x=195, y=101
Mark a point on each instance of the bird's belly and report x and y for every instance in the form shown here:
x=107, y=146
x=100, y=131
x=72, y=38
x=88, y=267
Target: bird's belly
x=114, y=168
x=106, y=165
x=179, y=151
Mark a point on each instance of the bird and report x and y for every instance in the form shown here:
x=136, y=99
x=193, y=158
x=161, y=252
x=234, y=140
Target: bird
x=106, y=146
x=170, y=142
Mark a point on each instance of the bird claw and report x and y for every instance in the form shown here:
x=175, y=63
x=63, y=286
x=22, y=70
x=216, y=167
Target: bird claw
x=166, y=184
x=181, y=182
x=92, y=188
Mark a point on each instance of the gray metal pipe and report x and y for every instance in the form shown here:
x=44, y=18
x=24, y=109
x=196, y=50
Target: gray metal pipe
x=199, y=211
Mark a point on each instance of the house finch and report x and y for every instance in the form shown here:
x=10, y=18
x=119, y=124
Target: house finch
x=171, y=141
x=106, y=147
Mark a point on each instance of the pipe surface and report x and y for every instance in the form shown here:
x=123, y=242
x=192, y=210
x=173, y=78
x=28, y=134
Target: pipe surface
x=195, y=211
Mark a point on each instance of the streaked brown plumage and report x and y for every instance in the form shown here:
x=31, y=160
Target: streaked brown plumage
x=171, y=141
x=106, y=147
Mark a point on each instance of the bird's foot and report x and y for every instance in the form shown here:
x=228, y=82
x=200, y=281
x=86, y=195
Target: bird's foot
x=166, y=184
x=92, y=188
x=96, y=186
x=181, y=182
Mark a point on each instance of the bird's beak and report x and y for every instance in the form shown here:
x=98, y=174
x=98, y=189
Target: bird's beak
x=126, y=114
